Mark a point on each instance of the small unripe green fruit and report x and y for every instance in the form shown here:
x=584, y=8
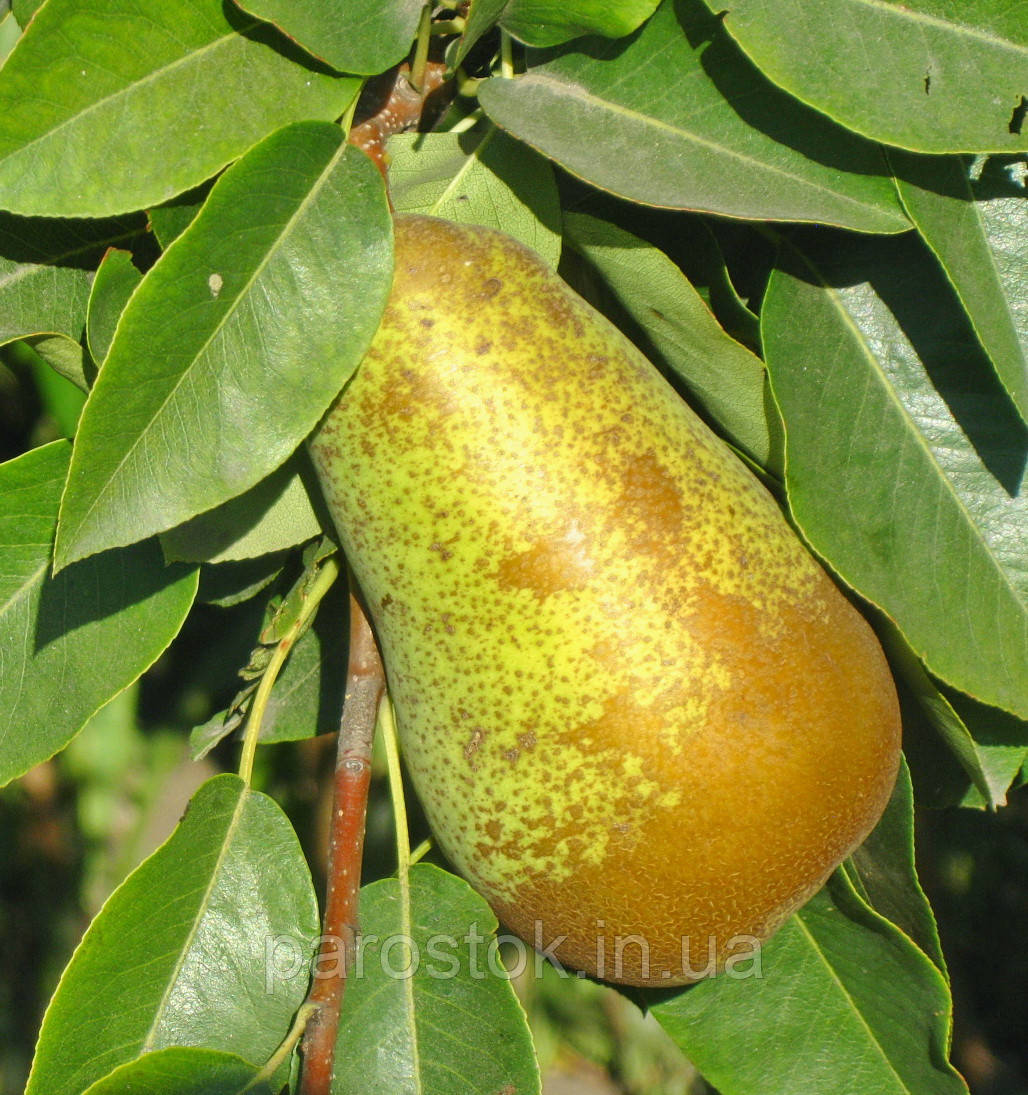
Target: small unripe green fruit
x=632, y=704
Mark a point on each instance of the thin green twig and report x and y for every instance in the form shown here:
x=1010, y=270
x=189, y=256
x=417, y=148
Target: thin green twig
x=322, y=583
x=417, y=67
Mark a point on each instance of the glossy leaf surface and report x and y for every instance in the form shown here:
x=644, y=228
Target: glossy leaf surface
x=231, y=889
x=350, y=35
x=123, y=603
x=478, y=178
x=448, y=1021
x=104, y=111
x=209, y=384
x=843, y=1002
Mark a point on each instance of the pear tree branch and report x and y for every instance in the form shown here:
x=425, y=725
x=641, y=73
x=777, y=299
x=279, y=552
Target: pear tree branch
x=364, y=691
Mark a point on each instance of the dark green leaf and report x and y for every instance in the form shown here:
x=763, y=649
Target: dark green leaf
x=350, y=35
x=191, y=950
x=170, y=220
x=550, y=22
x=1001, y=741
x=928, y=75
x=274, y=515
x=45, y=270
x=307, y=697
x=904, y=456
x=430, y=982
x=115, y=280
x=68, y=644
x=482, y=17
x=235, y=342
x=24, y=10
x=978, y=232
x=882, y=870
x=840, y=1002
x=990, y=773
x=227, y=584
x=678, y=117
x=481, y=177
x=101, y=115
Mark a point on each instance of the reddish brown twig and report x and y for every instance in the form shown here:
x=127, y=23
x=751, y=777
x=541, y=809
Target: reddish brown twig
x=364, y=691
x=398, y=106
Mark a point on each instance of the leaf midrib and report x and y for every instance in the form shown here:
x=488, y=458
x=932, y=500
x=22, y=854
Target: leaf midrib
x=848, y=997
x=909, y=15
x=942, y=478
x=128, y=89
x=229, y=314
x=237, y=813
x=559, y=87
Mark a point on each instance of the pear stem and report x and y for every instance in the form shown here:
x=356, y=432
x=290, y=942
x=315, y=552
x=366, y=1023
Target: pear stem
x=364, y=691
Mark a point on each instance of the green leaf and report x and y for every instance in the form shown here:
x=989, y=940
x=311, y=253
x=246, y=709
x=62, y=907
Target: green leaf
x=928, y=75
x=1001, y=741
x=351, y=35
x=550, y=22
x=45, y=275
x=235, y=342
x=10, y=32
x=307, y=697
x=170, y=220
x=482, y=17
x=841, y=1001
x=478, y=178
x=977, y=225
x=904, y=456
x=272, y=516
x=191, y=949
x=69, y=644
x=429, y=980
x=24, y=10
x=678, y=117
x=228, y=584
x=990, y=780
x=726, y=378
x=101, y=115
x=882, y=870
x=115, y=280
x=182, y=1072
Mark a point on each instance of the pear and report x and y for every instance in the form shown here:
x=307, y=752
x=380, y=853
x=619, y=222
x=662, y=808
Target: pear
x=641, y=719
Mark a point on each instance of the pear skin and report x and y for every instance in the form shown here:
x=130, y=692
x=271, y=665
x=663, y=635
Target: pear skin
x=641, y=719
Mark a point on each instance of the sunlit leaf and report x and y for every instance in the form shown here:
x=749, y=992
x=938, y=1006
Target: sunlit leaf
x=102, y=114
x=928, y=75
x=677, y=116
x=235, y=342
x=904, y=457
x=350, y=35
x=191, y=950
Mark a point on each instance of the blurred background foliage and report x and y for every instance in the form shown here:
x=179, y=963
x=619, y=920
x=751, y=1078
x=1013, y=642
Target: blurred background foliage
x=73, y=828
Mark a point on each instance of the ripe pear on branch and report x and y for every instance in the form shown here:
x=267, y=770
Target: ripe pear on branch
x=641, y=719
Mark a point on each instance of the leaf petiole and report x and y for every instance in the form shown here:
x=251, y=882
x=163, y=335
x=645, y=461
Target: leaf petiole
x=321, y=581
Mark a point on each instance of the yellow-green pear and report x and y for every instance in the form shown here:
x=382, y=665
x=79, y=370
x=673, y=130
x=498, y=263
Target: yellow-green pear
x=641, y=719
